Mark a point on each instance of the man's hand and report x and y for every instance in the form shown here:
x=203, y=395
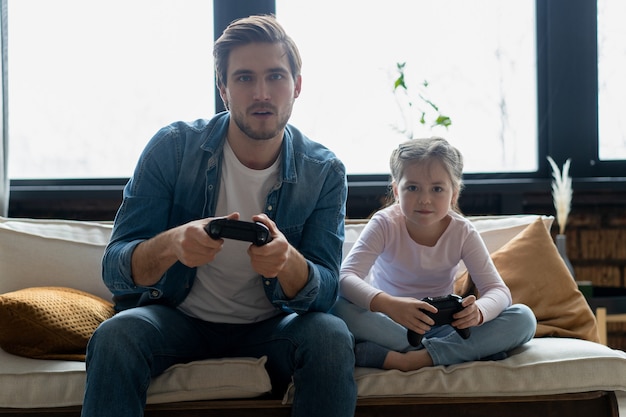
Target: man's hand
x=188, y=243
x=279, y=259
x=192, y=245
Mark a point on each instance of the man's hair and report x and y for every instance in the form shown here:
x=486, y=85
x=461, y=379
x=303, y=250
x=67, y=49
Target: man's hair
x=257, y=28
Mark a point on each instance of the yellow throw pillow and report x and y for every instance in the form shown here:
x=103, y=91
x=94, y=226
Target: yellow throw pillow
x=50, y=322
x=533, y=270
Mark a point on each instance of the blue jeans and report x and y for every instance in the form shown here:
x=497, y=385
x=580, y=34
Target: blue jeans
x=513, y=327
x=126, y=351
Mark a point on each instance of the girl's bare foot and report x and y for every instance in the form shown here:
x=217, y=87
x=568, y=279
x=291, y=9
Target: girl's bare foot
x=408, y=361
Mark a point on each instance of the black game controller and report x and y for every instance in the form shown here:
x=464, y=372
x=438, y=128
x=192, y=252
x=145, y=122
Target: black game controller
x=256, y=233
x=447, y=306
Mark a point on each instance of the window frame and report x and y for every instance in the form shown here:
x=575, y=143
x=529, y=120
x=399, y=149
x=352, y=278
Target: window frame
x=567, y=82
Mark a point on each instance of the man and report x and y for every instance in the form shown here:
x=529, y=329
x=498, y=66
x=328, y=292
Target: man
x=179, y=291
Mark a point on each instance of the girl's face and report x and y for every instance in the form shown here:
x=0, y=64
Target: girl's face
x=425, y=192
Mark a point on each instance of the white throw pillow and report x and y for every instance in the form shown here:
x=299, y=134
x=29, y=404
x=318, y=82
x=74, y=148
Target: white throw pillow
x=60, y=253
x=495, y=230
x=498, y=230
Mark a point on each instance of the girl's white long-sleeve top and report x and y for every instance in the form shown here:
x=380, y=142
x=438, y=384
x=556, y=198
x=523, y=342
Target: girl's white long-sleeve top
x=385, y=258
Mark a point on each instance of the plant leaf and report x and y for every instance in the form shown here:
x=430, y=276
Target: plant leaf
x=444, y=121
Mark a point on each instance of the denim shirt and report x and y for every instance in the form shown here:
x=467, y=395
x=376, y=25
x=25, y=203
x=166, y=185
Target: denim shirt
x=177, y=180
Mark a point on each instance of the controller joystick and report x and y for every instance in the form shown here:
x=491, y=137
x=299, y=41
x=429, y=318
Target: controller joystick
x=447, y=306
x=254, y=232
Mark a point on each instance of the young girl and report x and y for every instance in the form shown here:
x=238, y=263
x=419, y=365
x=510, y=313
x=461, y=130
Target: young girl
x=411, y=250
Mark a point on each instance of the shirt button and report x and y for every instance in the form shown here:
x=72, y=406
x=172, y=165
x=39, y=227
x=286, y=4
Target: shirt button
x=269, y=208
x=267, y=282
x=154, y=293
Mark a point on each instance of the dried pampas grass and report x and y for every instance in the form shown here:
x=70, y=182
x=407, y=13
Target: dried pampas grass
x=561, y=192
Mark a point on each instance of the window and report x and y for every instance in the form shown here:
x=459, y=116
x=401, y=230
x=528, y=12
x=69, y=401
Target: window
x=611, y=81
x=90, y=82
x=478, y=58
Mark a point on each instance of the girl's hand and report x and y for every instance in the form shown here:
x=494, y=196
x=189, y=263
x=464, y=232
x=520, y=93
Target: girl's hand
x=470, y=316
x=407, y=311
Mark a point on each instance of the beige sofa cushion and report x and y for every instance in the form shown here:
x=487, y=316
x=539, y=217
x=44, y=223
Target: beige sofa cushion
x=58, y=253
x=33, y=383
x=542, y=366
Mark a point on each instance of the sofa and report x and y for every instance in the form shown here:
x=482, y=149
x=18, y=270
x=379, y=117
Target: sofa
x=52, y=298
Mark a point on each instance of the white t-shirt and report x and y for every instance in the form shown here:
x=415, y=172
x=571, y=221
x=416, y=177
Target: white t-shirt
x=228, y=290
x=399, y=266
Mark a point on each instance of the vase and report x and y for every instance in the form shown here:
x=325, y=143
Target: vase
x=561, y=246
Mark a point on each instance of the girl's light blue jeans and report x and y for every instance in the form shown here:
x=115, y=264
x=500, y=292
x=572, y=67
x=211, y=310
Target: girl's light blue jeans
x=513, y=327
x=126, y=351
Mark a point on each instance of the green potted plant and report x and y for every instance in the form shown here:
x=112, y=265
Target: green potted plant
x=429, y=113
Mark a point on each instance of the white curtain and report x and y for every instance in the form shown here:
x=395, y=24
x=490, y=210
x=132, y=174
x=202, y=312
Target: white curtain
x=4, y=145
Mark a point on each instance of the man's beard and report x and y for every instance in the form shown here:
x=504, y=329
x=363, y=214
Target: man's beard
x=258, y=134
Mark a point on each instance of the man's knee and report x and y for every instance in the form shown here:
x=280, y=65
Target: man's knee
x=330, y=335
x=121, y=333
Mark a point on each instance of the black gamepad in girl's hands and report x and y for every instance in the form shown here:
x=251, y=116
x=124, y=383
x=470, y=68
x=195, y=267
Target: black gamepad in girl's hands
x=256, y=233
x=447, y=306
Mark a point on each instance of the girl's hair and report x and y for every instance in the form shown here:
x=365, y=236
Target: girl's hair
x=424, y=150
x=258, y=28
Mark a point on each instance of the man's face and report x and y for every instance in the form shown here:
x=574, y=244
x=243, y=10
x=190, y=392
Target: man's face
x=260, y=90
